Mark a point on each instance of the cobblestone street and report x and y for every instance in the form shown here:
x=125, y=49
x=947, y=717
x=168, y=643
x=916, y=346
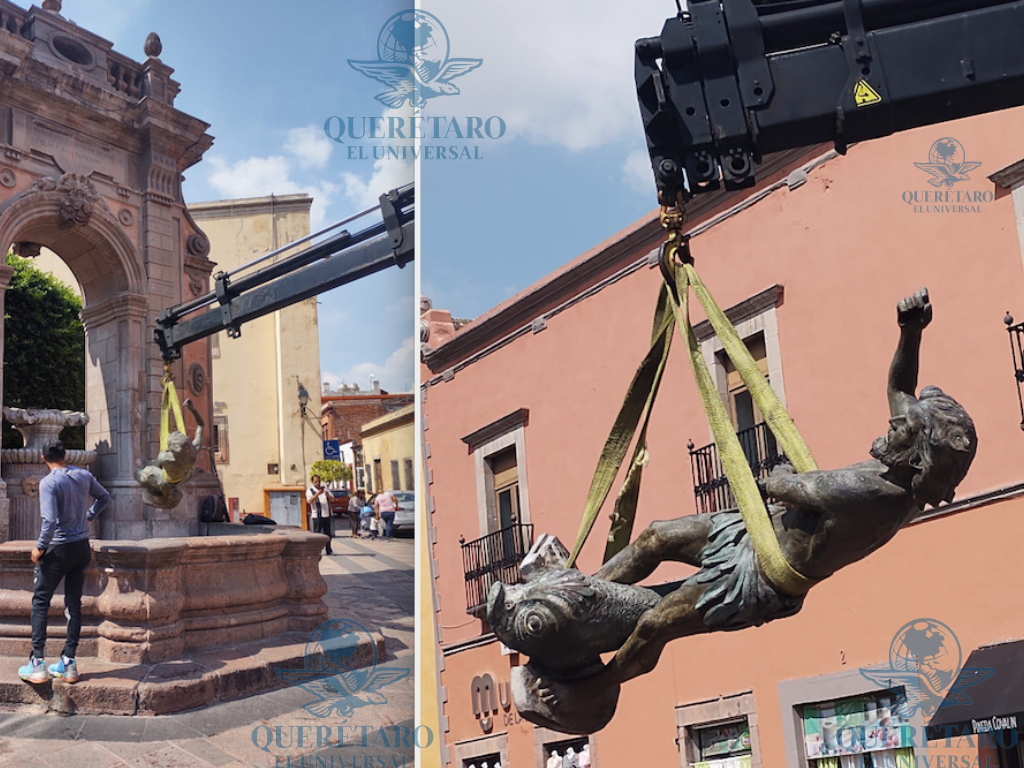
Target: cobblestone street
x=369, y=582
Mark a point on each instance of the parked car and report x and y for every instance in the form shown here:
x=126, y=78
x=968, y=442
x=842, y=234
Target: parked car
x=339, y=502
x=405, y=515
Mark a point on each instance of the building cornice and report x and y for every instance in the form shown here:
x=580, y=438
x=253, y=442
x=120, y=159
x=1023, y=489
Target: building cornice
x=476, y=642
x=746, y=309
x=251, y=206
x=405, y=415
x=504, y=425
x=1010, y=176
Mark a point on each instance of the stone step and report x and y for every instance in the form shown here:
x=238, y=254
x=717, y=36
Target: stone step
x=222, y=674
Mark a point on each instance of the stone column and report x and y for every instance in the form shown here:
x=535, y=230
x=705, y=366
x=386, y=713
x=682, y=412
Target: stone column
x=115, y=398
x=6, y=273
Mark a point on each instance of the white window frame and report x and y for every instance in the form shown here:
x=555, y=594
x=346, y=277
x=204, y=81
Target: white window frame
x=476, y=749
x=504, y=433
x=223, y=453
x=705, y=714
x=755, y=315
x=795, y=694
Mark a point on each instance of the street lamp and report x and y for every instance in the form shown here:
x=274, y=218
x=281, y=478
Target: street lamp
x=303, y=402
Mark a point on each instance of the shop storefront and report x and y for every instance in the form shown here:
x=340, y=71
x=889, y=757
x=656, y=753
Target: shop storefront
x=985, y=706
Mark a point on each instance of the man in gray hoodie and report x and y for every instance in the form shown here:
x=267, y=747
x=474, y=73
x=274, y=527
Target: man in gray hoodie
x=62, y=552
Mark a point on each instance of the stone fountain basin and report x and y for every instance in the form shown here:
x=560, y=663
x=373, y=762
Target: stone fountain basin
x=171, y=624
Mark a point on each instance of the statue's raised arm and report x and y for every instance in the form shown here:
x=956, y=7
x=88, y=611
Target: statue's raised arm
x=913, y=314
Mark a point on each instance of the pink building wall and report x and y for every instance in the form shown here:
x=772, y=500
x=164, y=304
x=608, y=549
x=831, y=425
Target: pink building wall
x=846, y=248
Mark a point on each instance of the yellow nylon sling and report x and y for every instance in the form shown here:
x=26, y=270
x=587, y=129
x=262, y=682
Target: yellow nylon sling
x=639, y=400
x=169, y=405
x=734, y=461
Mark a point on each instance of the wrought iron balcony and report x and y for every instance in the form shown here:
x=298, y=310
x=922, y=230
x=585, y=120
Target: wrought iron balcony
x=492, y=558
x=1017, y=350
x=710, y=487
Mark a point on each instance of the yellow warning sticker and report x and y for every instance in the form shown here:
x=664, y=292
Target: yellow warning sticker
x=864, y=95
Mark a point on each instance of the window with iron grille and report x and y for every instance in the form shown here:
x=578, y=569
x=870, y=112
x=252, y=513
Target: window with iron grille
x=710, y=486
x=410, y=480
x=396, y=481
x=219, y=439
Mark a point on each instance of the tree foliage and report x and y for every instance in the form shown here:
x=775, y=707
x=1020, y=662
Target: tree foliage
x=44, y=348
x=331, y=471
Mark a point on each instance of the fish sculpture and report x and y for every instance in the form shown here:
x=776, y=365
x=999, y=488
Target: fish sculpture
x=564, y=619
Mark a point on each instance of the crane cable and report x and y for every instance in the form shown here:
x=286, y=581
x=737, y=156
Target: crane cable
x=673, y=302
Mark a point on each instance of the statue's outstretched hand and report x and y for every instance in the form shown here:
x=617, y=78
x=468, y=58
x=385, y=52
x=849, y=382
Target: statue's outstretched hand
x=915, y=311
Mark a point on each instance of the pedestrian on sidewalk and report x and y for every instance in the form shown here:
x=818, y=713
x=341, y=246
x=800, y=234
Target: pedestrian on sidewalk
x=62, y=552
x=386, y=505
x=368, y=517
x=355, y=505
x=319, y=502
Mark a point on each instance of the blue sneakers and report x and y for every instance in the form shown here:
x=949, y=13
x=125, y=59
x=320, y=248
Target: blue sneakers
x=66, y=669
x=34, y=671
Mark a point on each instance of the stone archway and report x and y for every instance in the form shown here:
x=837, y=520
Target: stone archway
x=92, y=152
x=68, y=216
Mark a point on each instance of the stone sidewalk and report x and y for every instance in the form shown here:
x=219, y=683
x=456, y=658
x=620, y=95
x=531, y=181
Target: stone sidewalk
x=370, y=582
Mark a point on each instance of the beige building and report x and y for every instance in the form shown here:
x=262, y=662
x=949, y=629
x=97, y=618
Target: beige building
x=263, y=443
x=389, y=447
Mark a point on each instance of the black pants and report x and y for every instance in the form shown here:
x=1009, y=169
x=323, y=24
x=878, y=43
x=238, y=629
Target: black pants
x=67, y=562
x=324, y=525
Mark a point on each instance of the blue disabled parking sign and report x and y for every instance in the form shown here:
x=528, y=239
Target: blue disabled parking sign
x=332, y=450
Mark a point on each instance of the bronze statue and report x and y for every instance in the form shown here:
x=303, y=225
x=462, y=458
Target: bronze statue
x=824, y=520
x=172, y=467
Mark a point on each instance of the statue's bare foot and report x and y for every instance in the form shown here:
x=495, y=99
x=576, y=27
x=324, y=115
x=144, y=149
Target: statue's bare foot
x=581, y=705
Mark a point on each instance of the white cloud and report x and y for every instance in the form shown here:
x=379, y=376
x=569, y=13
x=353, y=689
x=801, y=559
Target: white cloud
x=395, y=375
x=310, y=146
x=258, y=176
x=572, y=90
x=387, y=174
x=637, y=173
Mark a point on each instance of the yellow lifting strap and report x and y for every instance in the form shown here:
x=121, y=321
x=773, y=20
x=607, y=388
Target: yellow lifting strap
x=637, y=405
x=737, y=469
x=674, y=301
x=169, y=405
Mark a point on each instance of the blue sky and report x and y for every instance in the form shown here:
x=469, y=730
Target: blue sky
x=572, y=168
x=267, y=75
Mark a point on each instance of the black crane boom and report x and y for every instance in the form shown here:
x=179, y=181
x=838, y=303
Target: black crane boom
x=728, y=81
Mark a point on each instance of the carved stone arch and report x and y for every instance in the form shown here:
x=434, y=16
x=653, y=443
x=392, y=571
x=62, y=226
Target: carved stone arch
x=68, y=216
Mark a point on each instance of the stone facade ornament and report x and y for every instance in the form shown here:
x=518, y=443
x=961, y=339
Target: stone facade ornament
x=198, y=245
x=30, y=486
x=153, y=47
x=53, y=5
x=27, y=250
x=80, y=197
x=196, y=379
x=196, y=282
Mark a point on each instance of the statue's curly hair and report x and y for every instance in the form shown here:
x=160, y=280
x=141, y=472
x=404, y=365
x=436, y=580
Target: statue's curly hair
x=944, y=449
